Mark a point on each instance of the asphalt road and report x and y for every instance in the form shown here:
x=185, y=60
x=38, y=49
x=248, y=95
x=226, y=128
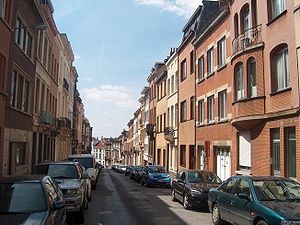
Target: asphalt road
x=121, y=201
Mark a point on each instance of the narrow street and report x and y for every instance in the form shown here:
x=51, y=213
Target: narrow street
x=121, y=201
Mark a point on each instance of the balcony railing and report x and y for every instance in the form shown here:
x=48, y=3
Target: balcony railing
x=169, y=134
x=247, y=39
x=46, y=117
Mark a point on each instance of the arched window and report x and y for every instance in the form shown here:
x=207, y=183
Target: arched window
x=239, y=82
x=251, y=74
x=236, y=25
x=245, y=18
x=280, y=68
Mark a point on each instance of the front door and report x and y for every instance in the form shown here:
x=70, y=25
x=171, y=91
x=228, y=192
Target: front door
x=223, y=159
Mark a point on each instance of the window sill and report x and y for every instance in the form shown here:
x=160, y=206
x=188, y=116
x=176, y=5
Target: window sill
x=222, y=67
x=246, y=99
x=20, y=111
x=277, y=17
x=200, y=81
x=183, y=79
x=210, y=75
x=281, y=91
x=200, y=124
x=211, y=123
x=224, y=120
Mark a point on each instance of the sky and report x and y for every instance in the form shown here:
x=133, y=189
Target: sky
x=116, y=43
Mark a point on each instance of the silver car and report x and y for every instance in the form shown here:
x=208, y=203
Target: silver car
x=73, y=183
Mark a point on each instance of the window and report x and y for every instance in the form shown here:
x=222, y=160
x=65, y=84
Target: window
x=20, y=151
x=290, y=151
x=275, y=150
x=229, y=185
x=254, y=13
x=23, y=38
x=176, y=81
x=210, y=61
x=222, y=52
x=169, y=87
x=183, y=111
x=244, y=150
x=239, y=82
x=172, y=116
x=276, y=7
x=192, y=105
x=2, y=8
x=201, y=111
x=280, y=72
x=40, y=45
x=245, y=18
x=251, y=68
x=236, y=25
x=182, y=155
x=201, y=67
x=243, y=188
x=176, y=115
x=183, y=70
x=210, y=108
x=192, y=62
x=222, y=105
x=2, y=71
x=20, y=92
x=172, y=84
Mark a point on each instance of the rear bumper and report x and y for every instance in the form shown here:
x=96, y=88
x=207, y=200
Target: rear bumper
x=198, y=201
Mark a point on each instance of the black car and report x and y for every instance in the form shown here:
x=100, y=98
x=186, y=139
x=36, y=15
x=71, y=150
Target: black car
x=138, y=174
x=191, y=187
x=128, y=170
x=134, y=171
x=31, y=200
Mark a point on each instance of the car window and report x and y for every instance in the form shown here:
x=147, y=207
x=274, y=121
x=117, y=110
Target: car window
x=179, y=175
x=242, y=188
x=52, y=194
x=22, y=198
x=228, y=186
x=203, y=176
x=183, y=176
x=85, y=162
x=157, y=169
x=63, y=171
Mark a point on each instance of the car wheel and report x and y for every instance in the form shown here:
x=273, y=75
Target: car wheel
x=173, y=196
x=185, y=202
x=80, y=216
x=261, y=222
x=216, y=217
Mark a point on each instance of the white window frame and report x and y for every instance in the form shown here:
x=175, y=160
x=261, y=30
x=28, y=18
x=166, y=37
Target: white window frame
x=210, y=61
x=201, y=111
x=282, y=75
x=210, y=109
x=252, y=82
x=201, y=68
x=222, y=52
x=183, y=70
x=222, y=98
x=239, y=82
x=2, y=8
x=277, y=7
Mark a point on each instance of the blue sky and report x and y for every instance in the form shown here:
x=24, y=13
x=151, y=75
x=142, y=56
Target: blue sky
x=116, y=42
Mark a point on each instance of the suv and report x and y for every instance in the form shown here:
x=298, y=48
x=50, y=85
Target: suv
x=72, y=181
x=89, y=163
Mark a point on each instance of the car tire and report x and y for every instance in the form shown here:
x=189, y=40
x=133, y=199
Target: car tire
x=174, y=199
x=185, y=202
x=261, y=222
x=216, y=217
x=80, y=216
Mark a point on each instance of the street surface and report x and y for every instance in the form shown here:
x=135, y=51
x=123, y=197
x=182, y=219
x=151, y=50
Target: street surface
x=121, y=201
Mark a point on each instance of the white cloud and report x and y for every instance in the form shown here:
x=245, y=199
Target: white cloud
x=117, y=95
x=183, y=8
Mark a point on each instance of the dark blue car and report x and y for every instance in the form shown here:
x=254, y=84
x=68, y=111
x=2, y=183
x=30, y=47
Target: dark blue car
x=155, y=175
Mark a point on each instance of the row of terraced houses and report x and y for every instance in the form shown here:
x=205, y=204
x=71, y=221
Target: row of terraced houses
x=227, y=98
x=41, y=112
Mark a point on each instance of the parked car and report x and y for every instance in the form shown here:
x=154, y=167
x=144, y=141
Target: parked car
x=155, y=175
x=138, y=174
x=133, y=172
x=191, y=187
x=89, y=163
x=128, y=170
x=256, y=200
x=121, y=168
x=73, y=183
x=31, y=200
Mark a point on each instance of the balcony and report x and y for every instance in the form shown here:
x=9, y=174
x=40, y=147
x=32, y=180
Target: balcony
x=169, y=134
x=250, y=38
x=65, y=123
x=46, y=118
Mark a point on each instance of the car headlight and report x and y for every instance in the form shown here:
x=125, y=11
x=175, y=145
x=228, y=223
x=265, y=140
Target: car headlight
x=196, y=191
x=150, y=175
x=73, y=192
x=286, y=222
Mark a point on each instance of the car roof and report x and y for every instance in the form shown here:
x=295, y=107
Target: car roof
x=37, y=178
x=81, y=156
x=58, y=163
x=261, y=178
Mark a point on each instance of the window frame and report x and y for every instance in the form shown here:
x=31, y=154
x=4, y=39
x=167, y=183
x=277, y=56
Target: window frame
x=183, y=70
x=2, y=8
x=239, y=68
x=273, y=15
x=183, y=111
x=211, y=61
x=210, y=109
x=201, y=112
x=222, y=103
x=192, y=62
x=222, y=52
x=192, y=107
x=251, y=88
x=201, y=68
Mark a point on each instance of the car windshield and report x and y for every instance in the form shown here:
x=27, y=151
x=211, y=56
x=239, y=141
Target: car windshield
x=21, y=198
x=282, y=190
x=157, y=170
x=200, y=177
x=85, y=162
x=63, y=171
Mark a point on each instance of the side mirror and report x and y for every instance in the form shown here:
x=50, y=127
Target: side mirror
x=57, y=205
x=244, y=196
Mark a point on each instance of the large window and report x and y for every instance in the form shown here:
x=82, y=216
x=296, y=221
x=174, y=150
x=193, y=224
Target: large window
x=182, y=155
x=201, y=111
x=192, y=62
x=222, y=97
x=183, y=70
x=245, y=18
x=192, y=110
x=251, y=70
x=2, y=8
x=290, y=151
x=222, y=52
x=210, y=61
x=20, y=92
x=275, y=150
x=210, y=109
x=280, y=70
x=23, y=38
x=183, y=111
x=176, y=115
x=276, y=7
x=201, y=68
x=239, y=82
